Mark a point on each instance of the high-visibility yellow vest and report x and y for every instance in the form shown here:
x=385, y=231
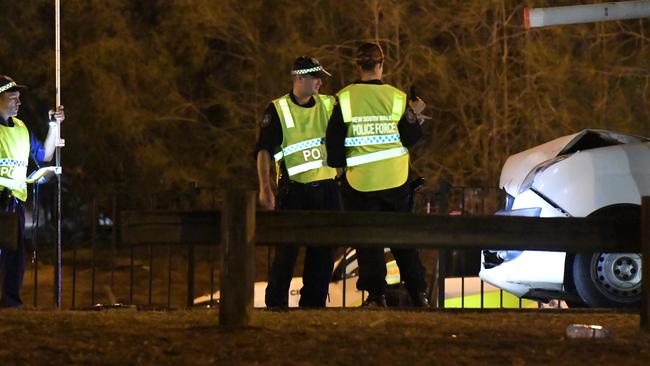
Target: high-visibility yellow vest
x=303, y=142
x=375, y=157
x=14, y=155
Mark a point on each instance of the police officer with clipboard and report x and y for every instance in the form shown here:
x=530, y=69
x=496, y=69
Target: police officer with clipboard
x=17, y=146
x=292, y=133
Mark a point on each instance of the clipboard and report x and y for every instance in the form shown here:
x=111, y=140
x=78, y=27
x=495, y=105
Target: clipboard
x=41, y=175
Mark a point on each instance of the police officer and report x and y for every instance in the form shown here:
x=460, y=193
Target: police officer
x=368, y=133
x=17, y=146
x=293, y=132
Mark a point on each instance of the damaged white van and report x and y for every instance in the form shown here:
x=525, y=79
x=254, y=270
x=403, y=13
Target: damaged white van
x=590, y=173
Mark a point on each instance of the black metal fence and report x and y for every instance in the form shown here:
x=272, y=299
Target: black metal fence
x=100, y=270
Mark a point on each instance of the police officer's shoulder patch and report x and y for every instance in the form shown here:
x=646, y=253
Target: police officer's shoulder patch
x=266, y=120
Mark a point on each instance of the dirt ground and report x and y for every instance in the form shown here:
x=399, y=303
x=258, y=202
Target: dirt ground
x=325, y=337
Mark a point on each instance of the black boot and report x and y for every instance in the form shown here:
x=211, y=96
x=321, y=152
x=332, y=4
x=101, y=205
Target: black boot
x=375, y=301
x=420, y=300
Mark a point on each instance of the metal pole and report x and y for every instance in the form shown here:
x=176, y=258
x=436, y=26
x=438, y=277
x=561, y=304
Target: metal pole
x=35, y=226
x=544, y=17
x=59, y=144
x=93, y=235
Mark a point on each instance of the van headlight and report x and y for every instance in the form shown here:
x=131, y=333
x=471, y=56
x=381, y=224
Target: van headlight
x=493, y=258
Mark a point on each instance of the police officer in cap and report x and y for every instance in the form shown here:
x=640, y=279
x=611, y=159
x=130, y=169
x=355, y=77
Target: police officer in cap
x=17, y=146
x=292, y=133
x=368, y=135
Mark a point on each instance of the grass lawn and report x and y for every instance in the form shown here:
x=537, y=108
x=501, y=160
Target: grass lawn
x=326, y=337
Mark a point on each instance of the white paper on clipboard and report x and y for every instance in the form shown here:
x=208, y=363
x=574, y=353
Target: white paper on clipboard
x=42, y=173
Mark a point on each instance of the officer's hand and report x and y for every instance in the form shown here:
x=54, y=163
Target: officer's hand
x=267, y=199
x=57, y=115
x=417, y=105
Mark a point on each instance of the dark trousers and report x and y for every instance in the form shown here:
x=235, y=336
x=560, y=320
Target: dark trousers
x=317, y=270
x=372, y=265
x=12, y=262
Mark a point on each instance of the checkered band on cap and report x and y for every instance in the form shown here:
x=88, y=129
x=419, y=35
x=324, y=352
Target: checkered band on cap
x=306, y=71
x=6, y=87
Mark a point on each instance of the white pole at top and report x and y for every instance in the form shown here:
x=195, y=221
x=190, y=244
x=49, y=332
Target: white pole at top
x=59, y=144
x=544, y=17
x=57, y=49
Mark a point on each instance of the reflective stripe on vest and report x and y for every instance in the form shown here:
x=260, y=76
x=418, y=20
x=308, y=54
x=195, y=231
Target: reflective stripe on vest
x=286, y=113
x=305, y=167
x=346, y=110
x=398, y=107
x=327, y=103
x=371, y=140
x=376, y=156
x=298, y=147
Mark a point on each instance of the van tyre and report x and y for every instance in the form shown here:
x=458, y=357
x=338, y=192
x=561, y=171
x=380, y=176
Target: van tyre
x=608, y=280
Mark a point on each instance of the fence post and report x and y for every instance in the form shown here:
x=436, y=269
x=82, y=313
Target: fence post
x=237, y=258
x=190, y=275
x=645, y=263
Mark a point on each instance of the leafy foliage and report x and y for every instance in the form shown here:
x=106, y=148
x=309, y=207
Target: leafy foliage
x=161, y=93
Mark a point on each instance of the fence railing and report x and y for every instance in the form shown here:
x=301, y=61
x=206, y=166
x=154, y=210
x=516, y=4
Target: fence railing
x=167, y=269
x=242, y=228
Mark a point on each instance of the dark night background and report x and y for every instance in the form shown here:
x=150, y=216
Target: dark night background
x=162, y=94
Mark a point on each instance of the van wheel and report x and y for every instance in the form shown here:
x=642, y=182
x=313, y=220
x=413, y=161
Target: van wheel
x=609, y=280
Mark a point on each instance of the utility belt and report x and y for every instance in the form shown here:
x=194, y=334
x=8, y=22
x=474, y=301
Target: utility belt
x=285, y=185
x=316, y=184
x=7, y=200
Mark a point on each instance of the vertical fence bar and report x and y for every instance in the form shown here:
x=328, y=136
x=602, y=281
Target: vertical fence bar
x=35, y=259
x=131, y=276
x=432, y=294
x=345, y=278
x=93, y=235
x=269, y=257
x=211, y=259
x=645, y=264
x=113, y=239
x=150, y=285
x=442, y=276
x=462, y=256
x=237, y=258
x=462, y=279
x=74, y=276
x=189, y=301
x=35, y=213
x=169, y=276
